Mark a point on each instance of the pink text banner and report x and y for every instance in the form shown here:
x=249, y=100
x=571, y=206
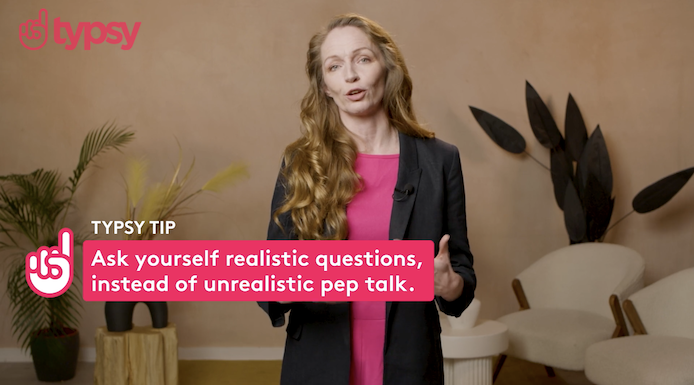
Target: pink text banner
x=258, y=270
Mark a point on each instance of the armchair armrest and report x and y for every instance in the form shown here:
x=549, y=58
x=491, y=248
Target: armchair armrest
x=520, y=294
x=634, y=318
x=621, y=328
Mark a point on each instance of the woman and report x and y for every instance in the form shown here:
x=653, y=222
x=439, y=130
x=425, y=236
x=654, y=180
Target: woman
x=365, y=169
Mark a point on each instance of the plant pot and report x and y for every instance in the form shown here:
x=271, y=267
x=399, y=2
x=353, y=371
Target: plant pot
x=55, y=358
x=119, y=315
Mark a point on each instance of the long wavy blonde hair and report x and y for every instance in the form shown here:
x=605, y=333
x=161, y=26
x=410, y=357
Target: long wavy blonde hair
x=319, y=167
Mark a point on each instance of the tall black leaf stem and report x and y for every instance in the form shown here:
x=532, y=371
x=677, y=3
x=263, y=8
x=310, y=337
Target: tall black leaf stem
x=616, y=223
x=538, y=162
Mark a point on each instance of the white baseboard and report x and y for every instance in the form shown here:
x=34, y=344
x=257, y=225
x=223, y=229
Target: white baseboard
x=14, y=355
x=223, y=354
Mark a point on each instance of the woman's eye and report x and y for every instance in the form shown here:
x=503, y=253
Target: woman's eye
x=365, y=60
x=333, y=67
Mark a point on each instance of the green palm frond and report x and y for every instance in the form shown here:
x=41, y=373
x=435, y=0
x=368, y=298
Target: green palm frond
x=30, y=209
x=33, y=203
x=64, y=308
x=20, y=216
x=28, y=308
x=96, y=142
x=40, y=187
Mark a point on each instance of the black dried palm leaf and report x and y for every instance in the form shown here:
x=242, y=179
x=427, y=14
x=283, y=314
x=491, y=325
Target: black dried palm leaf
x=575, y=130
x=595, y=160
x=574, y=217
x=562, y=173
x=499, y=131
x=660, y=192
x=598, y=206
x=541, y=121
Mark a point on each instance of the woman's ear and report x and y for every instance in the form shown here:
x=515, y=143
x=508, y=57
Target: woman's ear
x=324, y=88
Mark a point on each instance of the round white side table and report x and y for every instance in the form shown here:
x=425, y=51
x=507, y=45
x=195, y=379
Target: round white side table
x=468, y=353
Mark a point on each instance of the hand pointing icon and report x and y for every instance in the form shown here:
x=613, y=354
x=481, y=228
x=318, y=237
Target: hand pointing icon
x=34, y=30
x=49, y=270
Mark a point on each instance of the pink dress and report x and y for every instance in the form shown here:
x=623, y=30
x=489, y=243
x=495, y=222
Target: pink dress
x=368, y=218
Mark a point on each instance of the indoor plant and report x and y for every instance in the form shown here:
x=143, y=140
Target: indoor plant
x=33, y=208
x=161, y=201
x=579, y=166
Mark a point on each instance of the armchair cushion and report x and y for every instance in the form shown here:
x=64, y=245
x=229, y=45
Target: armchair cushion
x=666, y=307
x=555, y=337
x=643, y=359
x=582, y=277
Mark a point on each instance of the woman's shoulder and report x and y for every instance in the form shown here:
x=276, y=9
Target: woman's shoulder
x=435, y=148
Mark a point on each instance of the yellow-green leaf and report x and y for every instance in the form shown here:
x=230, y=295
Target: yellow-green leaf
x=135, y=180
x=226, y=177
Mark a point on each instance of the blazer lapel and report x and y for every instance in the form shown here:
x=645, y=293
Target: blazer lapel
x=408, y=176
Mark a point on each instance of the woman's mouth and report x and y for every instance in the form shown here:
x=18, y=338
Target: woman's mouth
x=356, y=94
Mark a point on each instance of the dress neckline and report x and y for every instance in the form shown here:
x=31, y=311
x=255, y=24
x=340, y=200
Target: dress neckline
x=377, y=156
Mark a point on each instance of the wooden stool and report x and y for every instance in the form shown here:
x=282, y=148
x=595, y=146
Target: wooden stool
x=142, y=355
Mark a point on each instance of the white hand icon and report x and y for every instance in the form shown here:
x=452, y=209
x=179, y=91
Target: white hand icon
x=49, y=270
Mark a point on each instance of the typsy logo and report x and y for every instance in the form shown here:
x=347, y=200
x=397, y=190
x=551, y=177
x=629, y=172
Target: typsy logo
x=38, y=30
x=49, y=270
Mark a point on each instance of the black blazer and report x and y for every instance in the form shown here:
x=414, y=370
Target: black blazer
x=317, y=349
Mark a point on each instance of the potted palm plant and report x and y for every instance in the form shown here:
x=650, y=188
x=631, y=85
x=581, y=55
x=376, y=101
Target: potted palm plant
x=33, y=208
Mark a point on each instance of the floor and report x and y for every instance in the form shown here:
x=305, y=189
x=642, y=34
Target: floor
x=515, y=372
x=518, y=372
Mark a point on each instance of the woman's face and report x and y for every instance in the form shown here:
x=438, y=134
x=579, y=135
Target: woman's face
x=353, y=72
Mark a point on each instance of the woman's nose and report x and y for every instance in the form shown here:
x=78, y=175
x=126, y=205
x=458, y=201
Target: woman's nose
x=351, y=75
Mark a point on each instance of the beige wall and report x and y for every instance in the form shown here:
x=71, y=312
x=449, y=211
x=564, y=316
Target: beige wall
x=226, y=79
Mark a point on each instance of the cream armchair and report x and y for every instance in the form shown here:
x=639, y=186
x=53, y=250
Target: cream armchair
x=565, y=303
x=662, y=349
